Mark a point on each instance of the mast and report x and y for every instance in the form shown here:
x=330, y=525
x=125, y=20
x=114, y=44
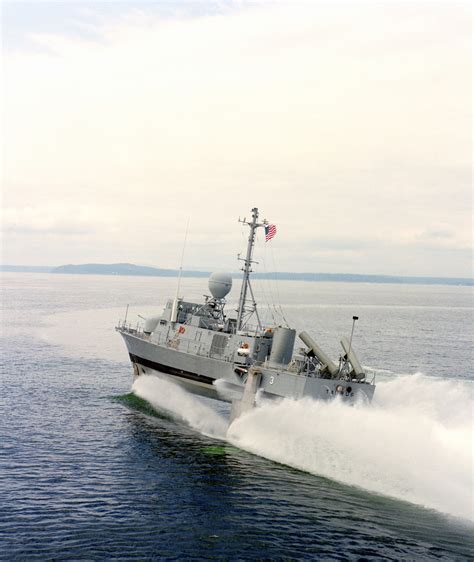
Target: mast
x=174, y=309
x=247, y=268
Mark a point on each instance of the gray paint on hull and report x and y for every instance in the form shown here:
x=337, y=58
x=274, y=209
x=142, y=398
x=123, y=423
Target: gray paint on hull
x=278, y=383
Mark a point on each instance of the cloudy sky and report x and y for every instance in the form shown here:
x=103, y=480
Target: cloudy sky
x=347, y=124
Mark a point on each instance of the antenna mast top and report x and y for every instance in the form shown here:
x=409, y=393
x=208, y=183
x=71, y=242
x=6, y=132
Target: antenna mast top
x=245, y=311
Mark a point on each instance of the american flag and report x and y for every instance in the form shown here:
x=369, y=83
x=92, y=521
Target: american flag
x=270, y=231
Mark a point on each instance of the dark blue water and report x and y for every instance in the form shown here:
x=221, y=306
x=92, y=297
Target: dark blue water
x=90, y=472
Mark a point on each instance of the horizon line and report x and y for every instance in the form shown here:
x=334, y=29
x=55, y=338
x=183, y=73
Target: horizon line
x=50, y=269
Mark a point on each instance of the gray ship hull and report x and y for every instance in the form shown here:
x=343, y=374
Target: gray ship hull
x=199, y=374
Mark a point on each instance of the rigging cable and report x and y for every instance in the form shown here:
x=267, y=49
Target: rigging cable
x=272, y=293
x=277, y=289
x=264, y=280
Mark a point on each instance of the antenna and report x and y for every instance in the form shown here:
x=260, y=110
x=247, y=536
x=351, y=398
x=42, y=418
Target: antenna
x=182, y=258
x=175, y=302
x=354, y=319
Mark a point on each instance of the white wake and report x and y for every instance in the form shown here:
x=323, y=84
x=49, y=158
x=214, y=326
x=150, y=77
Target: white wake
x=413, y=443
x=166, y=396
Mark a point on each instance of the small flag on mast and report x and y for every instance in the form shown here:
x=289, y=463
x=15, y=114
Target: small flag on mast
x=270, y=231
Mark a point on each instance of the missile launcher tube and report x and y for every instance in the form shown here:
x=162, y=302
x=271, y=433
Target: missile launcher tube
x=319, y=353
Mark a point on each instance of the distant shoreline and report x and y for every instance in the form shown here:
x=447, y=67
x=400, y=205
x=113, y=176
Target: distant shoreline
x=144, y=271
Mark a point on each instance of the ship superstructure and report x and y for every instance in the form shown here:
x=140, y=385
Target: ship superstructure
x=200, y=347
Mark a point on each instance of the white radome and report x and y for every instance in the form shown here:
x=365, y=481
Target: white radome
x=220, y=284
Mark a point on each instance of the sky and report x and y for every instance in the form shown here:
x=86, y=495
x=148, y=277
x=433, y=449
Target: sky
x=348, y=124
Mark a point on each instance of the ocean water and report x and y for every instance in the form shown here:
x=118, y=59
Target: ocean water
x=91, y=468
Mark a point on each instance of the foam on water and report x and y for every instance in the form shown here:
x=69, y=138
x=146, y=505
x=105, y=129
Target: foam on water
x=166, y=396
x=413, y=443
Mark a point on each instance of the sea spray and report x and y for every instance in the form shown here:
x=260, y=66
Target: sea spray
x=166, y=396
x=413, y=443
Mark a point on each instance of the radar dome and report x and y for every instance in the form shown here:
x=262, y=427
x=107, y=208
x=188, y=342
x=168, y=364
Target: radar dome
x=220, y=284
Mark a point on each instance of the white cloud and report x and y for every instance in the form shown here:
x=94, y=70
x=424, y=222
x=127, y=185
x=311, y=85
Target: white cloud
x=341, y=122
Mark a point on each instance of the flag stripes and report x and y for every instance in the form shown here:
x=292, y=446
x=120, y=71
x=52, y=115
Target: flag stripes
x=270, y=231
